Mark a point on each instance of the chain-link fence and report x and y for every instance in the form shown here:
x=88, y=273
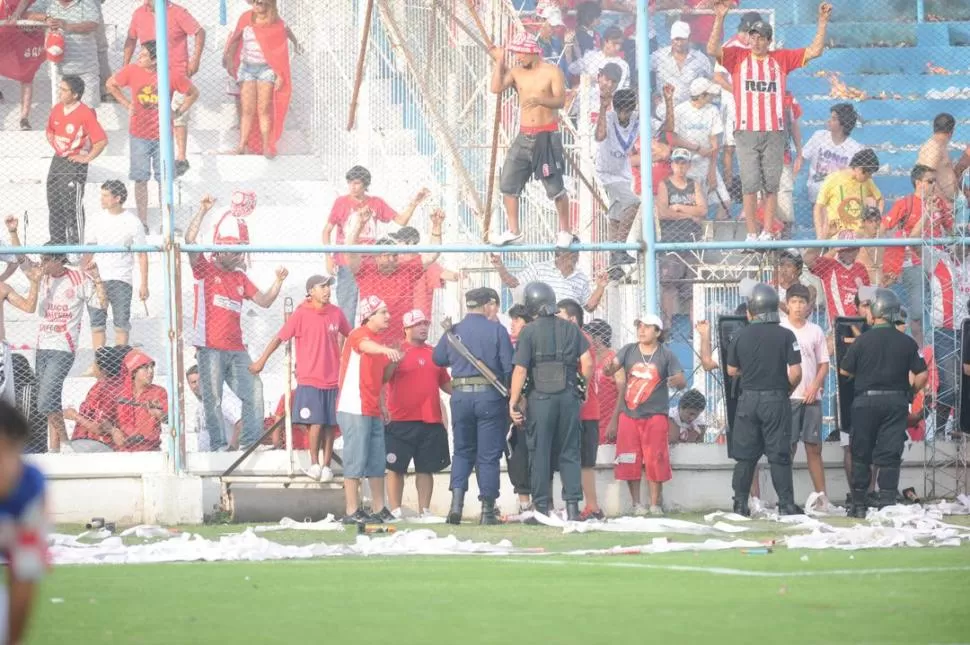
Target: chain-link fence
x=378, y=124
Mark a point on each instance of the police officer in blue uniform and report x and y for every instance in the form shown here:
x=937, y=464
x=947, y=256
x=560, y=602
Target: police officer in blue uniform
x=479, y=414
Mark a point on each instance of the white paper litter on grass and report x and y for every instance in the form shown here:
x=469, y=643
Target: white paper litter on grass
x=640, y=525
x=326, y=524
x=663, y=545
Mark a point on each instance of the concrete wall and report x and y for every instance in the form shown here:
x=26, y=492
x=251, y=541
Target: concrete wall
x=138, y=488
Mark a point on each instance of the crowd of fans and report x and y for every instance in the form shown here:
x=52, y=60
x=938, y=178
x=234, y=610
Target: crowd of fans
x=723, y=135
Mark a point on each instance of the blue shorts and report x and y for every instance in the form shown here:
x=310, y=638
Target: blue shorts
x=52, y=368
x=145, y=161
x=260, y=72
x=364, y=453
x=313, y=406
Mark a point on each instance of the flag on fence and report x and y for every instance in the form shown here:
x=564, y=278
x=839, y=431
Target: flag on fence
x=21, y=50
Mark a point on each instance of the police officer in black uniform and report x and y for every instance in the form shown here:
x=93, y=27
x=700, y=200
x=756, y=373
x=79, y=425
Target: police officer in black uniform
x=479, y=419
x=768, y=359
x=880, y=362
x=548, y=351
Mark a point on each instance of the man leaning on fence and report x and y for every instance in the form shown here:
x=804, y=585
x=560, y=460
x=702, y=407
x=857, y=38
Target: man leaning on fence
x=221, y=287
x=561, y=274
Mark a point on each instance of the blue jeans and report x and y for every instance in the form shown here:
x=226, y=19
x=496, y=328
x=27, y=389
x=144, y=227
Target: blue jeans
x=347, y=293
x=218, y=366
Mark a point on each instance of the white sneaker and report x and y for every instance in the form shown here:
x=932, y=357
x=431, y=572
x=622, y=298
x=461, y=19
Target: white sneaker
x=506, y=237
x=656, y=510
x=313, y=472
x=750, y=237
x=639, y=510
x=397, y=513
x=426, y=514
x=765, y=236
x=563, y=239
x=326, y=475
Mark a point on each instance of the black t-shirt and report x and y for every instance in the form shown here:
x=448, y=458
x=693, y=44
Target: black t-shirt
x=881, y=359
x=537, y=343
x=763, y=352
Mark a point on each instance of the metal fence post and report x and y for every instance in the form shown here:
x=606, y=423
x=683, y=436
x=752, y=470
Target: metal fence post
x=646, y=162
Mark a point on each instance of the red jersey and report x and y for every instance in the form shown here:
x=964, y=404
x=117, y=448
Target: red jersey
x=841, y=284
x=590, y=409
x=219, y=295
x=75, y=132
x=343, y=217
x=944, y=283
x=607, y=394
x=317, y=333
x=904, y=217
x=100, y=406
x=143, y=85
x=143, y=432
x=759, y=86
x=424, y=291
x=181, y=25
x=361, y=376
x=21, y=48
x=396, y=289
x=413, y=391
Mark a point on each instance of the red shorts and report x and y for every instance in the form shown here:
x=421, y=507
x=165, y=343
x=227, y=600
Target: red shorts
x=642, y=444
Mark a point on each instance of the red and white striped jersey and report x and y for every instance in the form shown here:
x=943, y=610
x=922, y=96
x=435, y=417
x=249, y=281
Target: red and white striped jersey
x=944, y=287
x=61, y=306
x=759, y=86
x=841, y=284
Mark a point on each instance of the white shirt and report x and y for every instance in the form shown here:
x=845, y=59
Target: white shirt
x=590, y=64
x=123, y=229
x=231, y=414
x=814, y=350
x=674, y=414
x=696, y=65
x=575, y=286
x=698, y=125
x=613, y=153
x=60, y=307
x=252, y=53
x=823, y=157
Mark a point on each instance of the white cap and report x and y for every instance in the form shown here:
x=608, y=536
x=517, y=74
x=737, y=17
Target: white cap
x=551, y=14
x=700, y=86
x=679, y=29
x=650, y=319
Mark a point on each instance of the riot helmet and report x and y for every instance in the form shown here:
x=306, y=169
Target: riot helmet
x=540, y=299
x=885, y=305
x=763, y=304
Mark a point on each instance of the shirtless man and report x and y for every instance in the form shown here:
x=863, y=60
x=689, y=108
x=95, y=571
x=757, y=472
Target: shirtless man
x=537, y=150
x=935, y=154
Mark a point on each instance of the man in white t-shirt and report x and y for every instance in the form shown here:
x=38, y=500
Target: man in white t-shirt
x=231, y=415
x=687, y=422
x=700, y=124
x=63, y=293
x=678, y=64
x=830, y=149
x=616, y=133
x=115, y=226
x=806, y=400
x=593, y=61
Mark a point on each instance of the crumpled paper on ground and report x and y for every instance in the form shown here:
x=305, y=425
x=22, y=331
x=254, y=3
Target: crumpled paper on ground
x=663, y=545
x=329, y=523
x=638, y=525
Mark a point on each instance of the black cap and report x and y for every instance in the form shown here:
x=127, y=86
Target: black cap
x=480, y=297
x=314, y=280
x=761, y=28
x=747, y=20
x=407, y=235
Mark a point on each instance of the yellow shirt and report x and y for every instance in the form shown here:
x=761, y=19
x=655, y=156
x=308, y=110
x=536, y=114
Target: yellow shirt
x=845, y=200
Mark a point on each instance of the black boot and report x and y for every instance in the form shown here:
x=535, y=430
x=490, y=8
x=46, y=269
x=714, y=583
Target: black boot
x=741, y=506
x=858, y=508
x=489, y=516
x=886, y=498
x=572, y=511
x=537, y=508
x=457, y=504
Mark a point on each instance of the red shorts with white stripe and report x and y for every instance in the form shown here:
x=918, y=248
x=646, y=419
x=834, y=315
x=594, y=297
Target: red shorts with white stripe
x=642, y=444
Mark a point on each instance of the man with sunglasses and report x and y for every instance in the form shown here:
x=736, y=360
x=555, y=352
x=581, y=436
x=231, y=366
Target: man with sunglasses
x=845, y=195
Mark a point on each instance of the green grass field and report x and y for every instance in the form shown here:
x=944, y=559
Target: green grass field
x=873, y=596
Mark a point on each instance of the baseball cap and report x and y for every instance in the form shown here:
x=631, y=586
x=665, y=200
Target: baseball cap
x=650, y=319
x=679, y=29
x=407, y=235
x=700, y=86
x=551, y=14
x=370, y=305
x=761, y=28
x=414, y=317
x=680, y=154
x=748, y=19
x=480, y=297
x=386, y=241
x=319, y=280
x=612, y=71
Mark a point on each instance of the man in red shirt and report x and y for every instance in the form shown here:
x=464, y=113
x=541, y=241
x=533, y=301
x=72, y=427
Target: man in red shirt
x=317, y=325
x=221, y=287
x=841, y=277
x=362, y=366
x=758, y=76
x=344, y=216
x=589, y=415
x=181, y=25
x=141, y=79
x=387, y=276
x=415, y=429
x=77, y=139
